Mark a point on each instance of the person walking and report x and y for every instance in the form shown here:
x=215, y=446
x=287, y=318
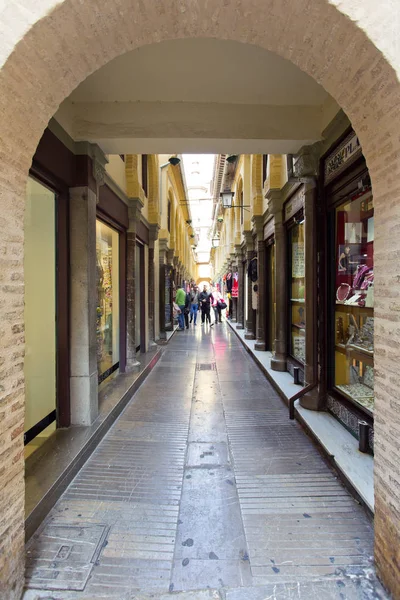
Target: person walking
x=187, y=309
x=194, y=304
x=180, y=299
x=217, y=298
x=205, y=304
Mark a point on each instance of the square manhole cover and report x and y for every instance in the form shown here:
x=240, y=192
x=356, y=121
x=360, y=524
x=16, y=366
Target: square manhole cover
x=206, y=366
x=61, y=556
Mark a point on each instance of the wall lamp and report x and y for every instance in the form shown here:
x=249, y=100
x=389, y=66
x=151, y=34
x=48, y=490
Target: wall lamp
x=215, y=242
x=227, y=201
x=173, y=160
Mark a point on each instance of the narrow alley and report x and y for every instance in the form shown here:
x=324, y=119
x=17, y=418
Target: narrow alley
x=205, y=485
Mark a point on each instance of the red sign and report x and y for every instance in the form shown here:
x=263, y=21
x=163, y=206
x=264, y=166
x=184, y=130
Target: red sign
x=235, y=286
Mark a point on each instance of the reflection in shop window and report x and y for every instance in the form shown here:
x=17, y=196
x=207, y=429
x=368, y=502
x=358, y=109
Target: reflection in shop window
x=107, y=323
x=297, y=293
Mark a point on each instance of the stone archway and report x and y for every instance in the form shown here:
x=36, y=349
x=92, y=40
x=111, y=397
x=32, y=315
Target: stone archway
x=201, y=279
x=50, y=46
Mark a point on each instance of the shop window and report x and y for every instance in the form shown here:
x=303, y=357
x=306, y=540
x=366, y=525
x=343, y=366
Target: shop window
x=107, y=331
x=354, y=297
x=169, y=217
x=271, y=297
x=297, y=310
x=40, y=314
x=145, y=178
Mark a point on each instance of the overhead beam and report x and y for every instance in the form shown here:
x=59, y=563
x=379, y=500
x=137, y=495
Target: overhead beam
x=150, y=127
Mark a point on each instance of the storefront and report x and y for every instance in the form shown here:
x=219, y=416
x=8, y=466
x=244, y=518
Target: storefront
x=296, y=309
x=270, y=287
x=40, y=313
x=350, y=302
x=108, y=309
x=111, y=240
x=46, y=363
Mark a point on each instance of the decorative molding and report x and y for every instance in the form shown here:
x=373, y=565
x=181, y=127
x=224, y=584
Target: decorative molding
x=154, y=230
x=306, y=162
x=135, y=206
x=258, y=225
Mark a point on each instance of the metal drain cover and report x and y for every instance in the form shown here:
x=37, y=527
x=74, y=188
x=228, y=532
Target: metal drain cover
x=61, y=556
x=206, y=366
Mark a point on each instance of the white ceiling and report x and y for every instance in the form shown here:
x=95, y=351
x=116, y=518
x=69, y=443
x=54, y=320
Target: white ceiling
x=201, y=70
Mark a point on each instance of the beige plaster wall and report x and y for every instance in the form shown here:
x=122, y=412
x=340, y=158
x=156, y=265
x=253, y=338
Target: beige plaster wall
x=116, y=169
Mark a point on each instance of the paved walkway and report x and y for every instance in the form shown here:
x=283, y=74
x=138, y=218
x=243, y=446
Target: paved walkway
x=203, y=483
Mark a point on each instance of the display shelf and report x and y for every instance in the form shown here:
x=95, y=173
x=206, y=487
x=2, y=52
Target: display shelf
x=300, y=300
x=357, y=353
x=353, y=309
x=299, y=327
x=360, y=350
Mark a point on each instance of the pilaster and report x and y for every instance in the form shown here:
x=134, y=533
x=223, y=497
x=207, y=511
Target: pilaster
x=153, y=235
x=135, y=206
x=275, y=205
x=248, y=249
x=240, y=300
x=83, y=273
x=257, y=223
x=162, y=258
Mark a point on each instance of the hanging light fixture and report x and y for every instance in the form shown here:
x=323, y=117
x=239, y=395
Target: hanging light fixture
x=227, y=199
x=215, y=242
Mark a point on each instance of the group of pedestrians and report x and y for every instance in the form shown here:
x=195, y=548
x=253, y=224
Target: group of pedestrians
x=191, y=302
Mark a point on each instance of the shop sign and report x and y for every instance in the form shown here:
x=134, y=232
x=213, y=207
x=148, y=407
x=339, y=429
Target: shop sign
x=295, y=203
x=342, y=157
x=269, y=228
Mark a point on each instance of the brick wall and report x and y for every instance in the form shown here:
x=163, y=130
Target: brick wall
x=79, y=36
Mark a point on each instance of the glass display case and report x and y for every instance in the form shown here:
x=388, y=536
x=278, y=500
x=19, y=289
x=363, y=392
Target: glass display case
x=107, y=331
x=354, y=298
x=297, y=310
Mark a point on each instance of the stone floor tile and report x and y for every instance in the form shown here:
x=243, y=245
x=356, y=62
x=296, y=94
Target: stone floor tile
x=204, y=490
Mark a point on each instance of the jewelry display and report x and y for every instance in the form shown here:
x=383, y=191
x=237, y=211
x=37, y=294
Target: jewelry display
x=354, y=302
x=368, y=378
x=343, y=292
x=365, y=336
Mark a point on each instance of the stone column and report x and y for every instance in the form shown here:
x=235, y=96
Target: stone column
x=306, y=168
x=249, y=335
x=278, y=362
x=83, y=272
x=171, y=259
x=260, y=315
x=153, y=234
x=162, y=257
x=134, y=210
x=240, y=303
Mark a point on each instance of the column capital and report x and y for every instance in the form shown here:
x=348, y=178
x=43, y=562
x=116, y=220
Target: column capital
x=306, y=162
x=257, y=222
x=162, y=250
x=239, y=251
x=135, y=206
x=248, y=242
x=154, y=230
x=275, y=202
